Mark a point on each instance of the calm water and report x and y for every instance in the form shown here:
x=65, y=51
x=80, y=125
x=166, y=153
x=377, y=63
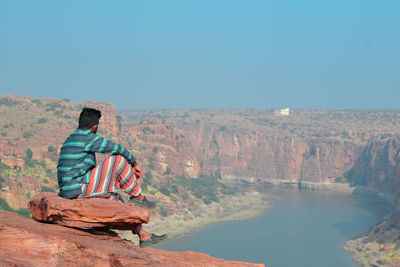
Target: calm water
x=302, y=229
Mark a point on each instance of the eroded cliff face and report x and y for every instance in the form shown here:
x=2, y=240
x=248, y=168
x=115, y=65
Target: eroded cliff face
x=255, y=155
x=259, y=156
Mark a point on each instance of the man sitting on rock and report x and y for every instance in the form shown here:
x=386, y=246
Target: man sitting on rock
x=80, y=177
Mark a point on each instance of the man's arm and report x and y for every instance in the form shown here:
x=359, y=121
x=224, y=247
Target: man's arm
x=102, y=145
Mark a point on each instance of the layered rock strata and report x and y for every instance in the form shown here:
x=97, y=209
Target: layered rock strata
x=25, y=242
x=87, y=213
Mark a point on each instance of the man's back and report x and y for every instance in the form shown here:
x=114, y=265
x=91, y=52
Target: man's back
x=77, y=158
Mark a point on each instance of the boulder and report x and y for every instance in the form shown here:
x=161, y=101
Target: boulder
x=86, y=213
x=25, y=242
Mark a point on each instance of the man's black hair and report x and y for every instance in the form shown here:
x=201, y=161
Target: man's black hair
x=88, y=118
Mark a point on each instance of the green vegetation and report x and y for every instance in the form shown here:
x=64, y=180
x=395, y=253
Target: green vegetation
x=119, y=122
x=148, y=181
x=354, y=178
x=155, y=149
x=42, y=120
x=168, y=171
x=28, y=159
x=45, y=188
x=52, y=106
x=59, y=113
x=8, y=102
x=205, y=188
x=151, y=163
x=2, y=180
x=3, y=166
x=8, y=125
x=340, y=180
x=22, y=211
x=147, y=129
x=163, y=211
x=27, y=134
x=51, y=148
x=37, y=102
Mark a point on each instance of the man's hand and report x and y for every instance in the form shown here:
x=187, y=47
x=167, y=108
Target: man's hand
x=137, y=170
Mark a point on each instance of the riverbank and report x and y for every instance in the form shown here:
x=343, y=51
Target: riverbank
x=334, y=187
x=380, y=247
x=230, y=208
x=304, y=228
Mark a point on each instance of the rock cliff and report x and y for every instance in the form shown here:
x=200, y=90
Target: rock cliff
x=233, y=148
x=24, y=242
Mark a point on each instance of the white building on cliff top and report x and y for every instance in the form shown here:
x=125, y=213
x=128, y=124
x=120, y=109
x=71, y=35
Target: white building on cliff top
x=282, y=112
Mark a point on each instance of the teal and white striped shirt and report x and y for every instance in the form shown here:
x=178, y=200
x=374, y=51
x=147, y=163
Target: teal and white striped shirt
x=77, y=158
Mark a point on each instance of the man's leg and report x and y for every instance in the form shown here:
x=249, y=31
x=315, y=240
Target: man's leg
x=147, y=239
x=112, y=174
x=138, y=230
x=106, y=178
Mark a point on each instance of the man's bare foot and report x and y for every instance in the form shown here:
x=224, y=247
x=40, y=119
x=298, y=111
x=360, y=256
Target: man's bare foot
x=154, y=239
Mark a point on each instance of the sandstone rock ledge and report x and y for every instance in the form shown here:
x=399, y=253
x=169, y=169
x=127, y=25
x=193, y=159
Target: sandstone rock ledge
x=25, y=242
x=86, y=213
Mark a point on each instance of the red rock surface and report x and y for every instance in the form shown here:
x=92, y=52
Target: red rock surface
x=86, y=213
x=25, y=242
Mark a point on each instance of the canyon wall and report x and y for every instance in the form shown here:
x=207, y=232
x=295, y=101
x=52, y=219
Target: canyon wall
x=254, y=155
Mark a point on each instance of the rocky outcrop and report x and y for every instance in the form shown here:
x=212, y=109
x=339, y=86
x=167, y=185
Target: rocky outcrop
x=380, y=247
x=25, y=242
x=87, y=213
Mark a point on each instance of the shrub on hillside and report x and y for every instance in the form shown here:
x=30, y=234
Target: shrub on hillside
x=29, y=161
x=119, y=122
x=42, y=120
x=3, y=166
x=22, y=211
x=164, y=189
x=36, y=101
x=2, y=180
x=8, y=102
x=205, y=188
x=151, y=163
x=163, y=211
x=47, y=189
x=147, y=129
x=27, y=134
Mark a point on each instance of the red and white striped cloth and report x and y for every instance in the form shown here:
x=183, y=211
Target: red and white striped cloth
x=113, y=174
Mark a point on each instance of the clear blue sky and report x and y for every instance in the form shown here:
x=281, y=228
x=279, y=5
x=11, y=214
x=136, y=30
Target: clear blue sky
x=147, y=54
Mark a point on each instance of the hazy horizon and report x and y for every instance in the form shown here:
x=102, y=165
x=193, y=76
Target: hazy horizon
x=184, y=54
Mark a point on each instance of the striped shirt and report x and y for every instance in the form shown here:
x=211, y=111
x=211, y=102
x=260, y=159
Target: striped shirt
x=77, y=158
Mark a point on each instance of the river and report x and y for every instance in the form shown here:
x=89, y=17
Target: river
x=302, y=229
